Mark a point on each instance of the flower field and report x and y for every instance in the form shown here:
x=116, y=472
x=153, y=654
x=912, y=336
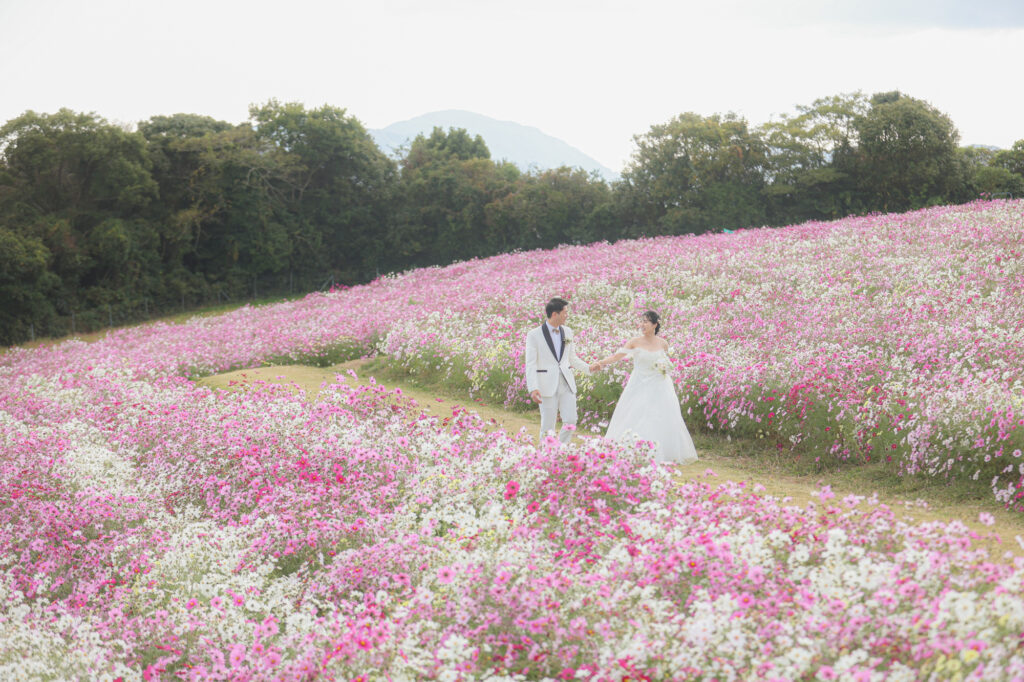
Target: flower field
x=158, y=529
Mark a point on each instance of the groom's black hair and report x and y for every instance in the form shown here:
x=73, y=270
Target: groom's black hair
x=555, y=305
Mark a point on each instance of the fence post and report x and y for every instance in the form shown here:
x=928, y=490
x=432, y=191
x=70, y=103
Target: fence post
x=145, y=305
x=32, y=331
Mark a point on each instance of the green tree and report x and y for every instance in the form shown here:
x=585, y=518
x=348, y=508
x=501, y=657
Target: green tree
x=558, y=206
x=455, y=144
x=338, y=188
x=26, y=287
x=807, y=159
x=79, y=186
x=447, y=180
x=238, y=215
x=179, y=169
x=1011, y=159
x=695, y=174
x=988, y=181
x=984, y=176
x=906, y=153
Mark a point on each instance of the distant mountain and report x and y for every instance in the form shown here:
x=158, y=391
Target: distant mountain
x=526, y=147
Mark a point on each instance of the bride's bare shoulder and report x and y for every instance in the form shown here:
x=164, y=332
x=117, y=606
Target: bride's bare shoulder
x=663, y=343
x=632, y=343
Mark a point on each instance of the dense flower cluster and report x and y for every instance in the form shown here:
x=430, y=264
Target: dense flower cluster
x=155, y=527
x=164, y=528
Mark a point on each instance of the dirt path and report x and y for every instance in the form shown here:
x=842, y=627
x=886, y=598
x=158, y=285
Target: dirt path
x=750, y=471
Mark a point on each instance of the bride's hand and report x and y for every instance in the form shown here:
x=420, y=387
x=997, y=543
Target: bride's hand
x=595, y=367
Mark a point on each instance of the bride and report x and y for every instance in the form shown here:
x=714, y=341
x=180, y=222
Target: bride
x=649, y=408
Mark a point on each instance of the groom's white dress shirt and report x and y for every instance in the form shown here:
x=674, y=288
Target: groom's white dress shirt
x=557, y=337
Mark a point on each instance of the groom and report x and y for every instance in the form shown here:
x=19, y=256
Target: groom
x=550, y=359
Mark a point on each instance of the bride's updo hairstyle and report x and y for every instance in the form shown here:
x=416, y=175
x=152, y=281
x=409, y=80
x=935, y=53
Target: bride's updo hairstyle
x=653, y=318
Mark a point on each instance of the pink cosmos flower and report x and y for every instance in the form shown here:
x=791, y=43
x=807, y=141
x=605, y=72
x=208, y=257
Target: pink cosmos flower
x=445, y=575
x=511, y=490
x=269, y=626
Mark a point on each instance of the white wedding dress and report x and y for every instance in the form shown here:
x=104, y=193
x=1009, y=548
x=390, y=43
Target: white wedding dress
x=648, y=409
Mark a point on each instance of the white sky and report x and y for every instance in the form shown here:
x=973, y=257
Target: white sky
x=591, y=72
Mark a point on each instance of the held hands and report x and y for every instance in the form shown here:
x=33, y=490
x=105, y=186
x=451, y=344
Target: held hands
x=535, y=396
x=596, y=367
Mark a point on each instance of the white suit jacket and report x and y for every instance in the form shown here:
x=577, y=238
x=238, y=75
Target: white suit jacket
x=543, y=368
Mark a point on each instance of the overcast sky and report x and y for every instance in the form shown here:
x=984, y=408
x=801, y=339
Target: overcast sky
x=591, y=72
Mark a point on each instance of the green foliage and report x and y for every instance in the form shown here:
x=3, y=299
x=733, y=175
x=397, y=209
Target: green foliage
x=906, y=153
x=447, y=180
x=441, y=146
x=696, y=173
x=73, y=193
x=1011, y=159
x=338, y=192
x=807, y=169
x=559, y=206
x=986, y=172
x=455, y=203
x=25, y=284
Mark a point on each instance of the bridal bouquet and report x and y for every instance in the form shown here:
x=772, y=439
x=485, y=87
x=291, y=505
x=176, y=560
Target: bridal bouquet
x=663, y=365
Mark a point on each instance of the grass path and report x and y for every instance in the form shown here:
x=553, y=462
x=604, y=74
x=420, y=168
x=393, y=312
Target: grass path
x=727, y=460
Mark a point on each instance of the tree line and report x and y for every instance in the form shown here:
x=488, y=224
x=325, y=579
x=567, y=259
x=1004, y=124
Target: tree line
x=105, y=224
